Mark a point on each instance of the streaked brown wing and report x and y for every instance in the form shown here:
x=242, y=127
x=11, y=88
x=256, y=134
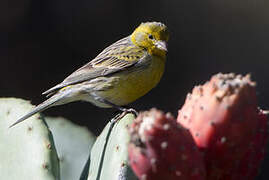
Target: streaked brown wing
x=114, y=58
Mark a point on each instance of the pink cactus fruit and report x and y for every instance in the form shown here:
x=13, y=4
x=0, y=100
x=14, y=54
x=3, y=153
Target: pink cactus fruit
x=160, y=149
x=224, y=120
x=249, y=166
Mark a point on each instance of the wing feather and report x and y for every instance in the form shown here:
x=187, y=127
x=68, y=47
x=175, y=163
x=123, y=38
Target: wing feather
x=120, y=55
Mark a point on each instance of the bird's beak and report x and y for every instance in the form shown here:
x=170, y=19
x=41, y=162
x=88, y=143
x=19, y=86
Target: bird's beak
x=161, y=45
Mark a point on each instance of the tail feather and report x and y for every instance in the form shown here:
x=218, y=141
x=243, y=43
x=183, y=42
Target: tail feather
x=53, y=89
x=41, y=107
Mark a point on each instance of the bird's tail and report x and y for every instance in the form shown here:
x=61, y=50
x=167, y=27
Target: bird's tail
x=52, y=101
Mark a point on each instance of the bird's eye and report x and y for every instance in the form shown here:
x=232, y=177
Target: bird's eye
x=150, y=36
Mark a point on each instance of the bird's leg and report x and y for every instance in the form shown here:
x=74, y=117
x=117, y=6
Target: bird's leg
x=124, y=110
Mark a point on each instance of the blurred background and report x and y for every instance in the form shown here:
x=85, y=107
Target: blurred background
x=44, y=41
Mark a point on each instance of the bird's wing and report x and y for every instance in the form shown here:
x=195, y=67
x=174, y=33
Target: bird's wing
x=119, y=56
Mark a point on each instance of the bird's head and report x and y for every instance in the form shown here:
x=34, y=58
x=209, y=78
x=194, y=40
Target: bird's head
x=152, y=36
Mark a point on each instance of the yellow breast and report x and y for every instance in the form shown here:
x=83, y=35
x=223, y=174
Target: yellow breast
x=132, y=84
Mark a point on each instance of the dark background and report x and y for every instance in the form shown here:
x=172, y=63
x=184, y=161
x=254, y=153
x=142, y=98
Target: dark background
x=43, y=41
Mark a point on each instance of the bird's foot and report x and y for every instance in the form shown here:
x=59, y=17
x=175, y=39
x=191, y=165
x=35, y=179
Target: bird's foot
x=123, y=113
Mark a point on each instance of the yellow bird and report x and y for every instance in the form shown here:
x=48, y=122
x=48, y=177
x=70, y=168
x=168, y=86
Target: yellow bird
x=119, y=75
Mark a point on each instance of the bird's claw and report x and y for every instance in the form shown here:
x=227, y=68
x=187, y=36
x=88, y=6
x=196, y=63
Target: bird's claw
x=124, y=112
x=130, y=110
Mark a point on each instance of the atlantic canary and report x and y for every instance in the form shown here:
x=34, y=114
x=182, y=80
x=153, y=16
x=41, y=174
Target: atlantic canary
x=120, y=74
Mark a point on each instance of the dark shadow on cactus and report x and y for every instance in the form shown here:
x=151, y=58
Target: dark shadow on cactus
x=85, y=171
x=104, y=150
x=109, y=155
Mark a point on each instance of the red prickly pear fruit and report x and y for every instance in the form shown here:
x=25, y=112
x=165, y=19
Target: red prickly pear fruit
x=160, y=149
x=223, y=118
x=249, y=166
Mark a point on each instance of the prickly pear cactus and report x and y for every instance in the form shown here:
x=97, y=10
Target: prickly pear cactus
x=27, y=150
x=227, y=126
x=73, y=145
x=161, y=149
x=109, y=155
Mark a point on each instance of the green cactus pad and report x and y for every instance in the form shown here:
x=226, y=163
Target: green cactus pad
x=109, y=155
x=73, y=145
x=27, y=149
